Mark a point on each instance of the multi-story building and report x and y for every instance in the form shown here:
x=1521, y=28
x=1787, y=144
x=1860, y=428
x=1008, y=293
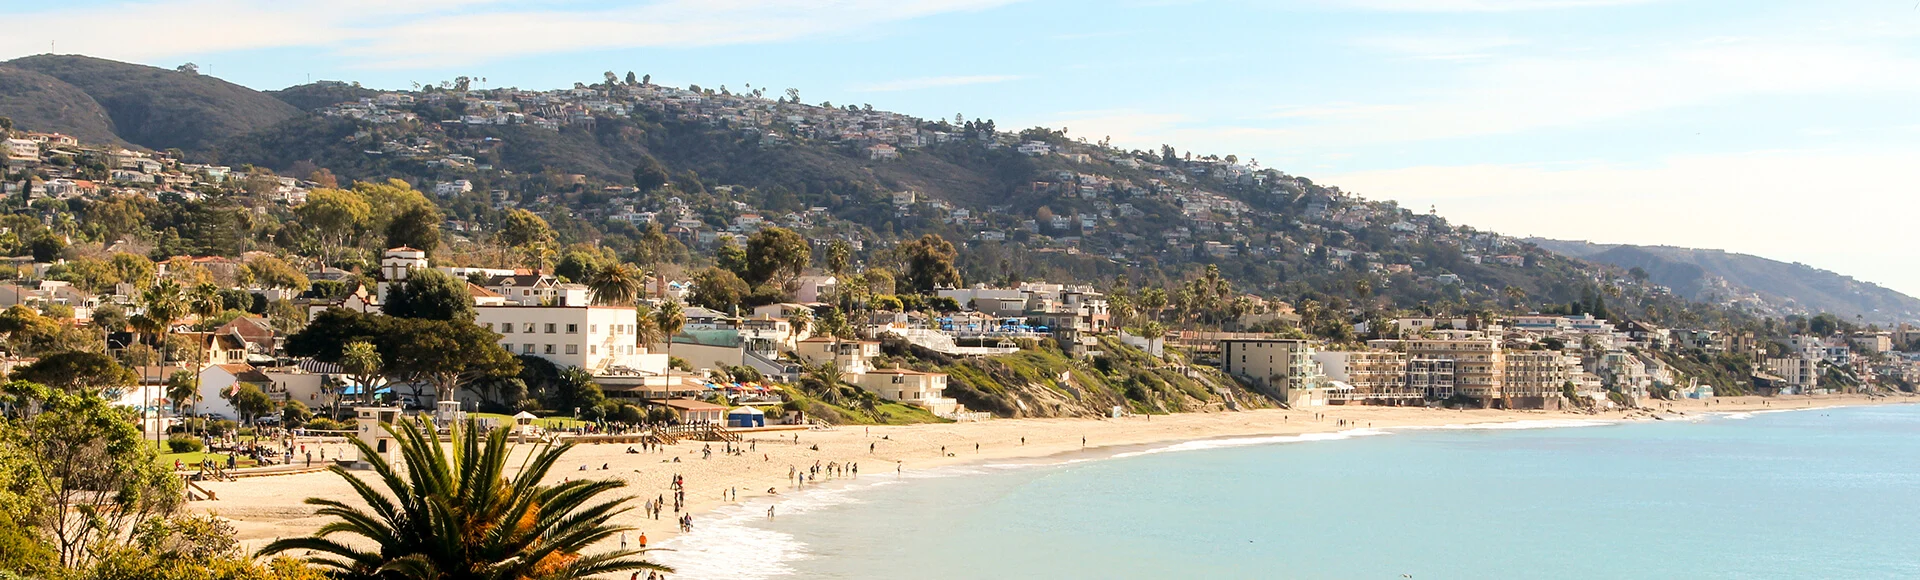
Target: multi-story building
x=600, y=339
x=1368, y=376
x=1479, y=365
x=908, y=386
x=850, y=355
x=1536, y=379
x=1282, y=364
x=1800, y=372
x=1432, y=377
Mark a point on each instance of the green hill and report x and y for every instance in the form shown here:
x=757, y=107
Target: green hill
x=158, y=108
x=44, y=103
x=1715, y=276
x=320, y=94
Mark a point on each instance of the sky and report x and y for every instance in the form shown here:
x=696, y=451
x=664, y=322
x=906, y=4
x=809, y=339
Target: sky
x=1785, y=129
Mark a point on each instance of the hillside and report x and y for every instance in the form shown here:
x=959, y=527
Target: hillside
x=148, y=106
x=1725, y=277
x=45, y=103
x=320, y=94
x=607, y=163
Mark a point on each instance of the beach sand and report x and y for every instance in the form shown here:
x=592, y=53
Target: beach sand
x=266, y=508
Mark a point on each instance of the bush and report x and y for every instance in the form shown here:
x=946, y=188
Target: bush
x=185, y=444
x=324, y=424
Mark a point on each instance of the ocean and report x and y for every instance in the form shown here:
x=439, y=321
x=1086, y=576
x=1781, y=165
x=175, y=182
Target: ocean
x=1825, y=493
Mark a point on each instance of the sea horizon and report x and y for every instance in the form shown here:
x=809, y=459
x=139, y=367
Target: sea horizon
x=863, y=528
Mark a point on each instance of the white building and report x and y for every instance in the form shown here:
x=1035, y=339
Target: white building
x=596, y=338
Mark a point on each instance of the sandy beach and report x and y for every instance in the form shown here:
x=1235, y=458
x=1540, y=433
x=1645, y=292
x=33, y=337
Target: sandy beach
x=266, y=508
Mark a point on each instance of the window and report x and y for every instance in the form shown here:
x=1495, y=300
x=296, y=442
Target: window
x=550, y=327
x=528, y=329
x=573, y=329
x=526, y=348
x=593, y=349
x=897, y=379
x=593, y=329
x=573, y=349
x=547, y=350
x=505, y=327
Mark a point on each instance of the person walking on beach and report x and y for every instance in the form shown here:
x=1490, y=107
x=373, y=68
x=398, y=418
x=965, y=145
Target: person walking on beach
x=643, y=540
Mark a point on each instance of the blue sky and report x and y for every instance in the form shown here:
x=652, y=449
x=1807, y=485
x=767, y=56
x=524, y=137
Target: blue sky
x=1779, y=128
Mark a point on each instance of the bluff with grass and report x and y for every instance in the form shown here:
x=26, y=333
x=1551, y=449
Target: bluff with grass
x=1041, y=381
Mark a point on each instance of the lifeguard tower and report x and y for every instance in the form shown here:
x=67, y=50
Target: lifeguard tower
x=385, y=448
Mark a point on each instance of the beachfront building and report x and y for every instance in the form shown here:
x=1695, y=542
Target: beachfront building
x=850, y=355
x=1479, y=365
x=599, y=339
x=1284, y=365
x=1537, y=379
x=395, y=264
x=920, y=389
x=1373, y=377
x=1432, y=377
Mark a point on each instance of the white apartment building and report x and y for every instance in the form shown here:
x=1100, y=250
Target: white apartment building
x=596, y=338
x=1285, y=365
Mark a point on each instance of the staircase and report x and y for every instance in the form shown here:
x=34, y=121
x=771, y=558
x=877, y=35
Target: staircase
x=772, y=368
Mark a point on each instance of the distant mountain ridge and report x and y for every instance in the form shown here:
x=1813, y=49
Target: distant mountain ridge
x=147, y=106
x=1726, y=277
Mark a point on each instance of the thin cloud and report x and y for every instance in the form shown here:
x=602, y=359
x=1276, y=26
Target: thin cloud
x=1439, y=47
x=1475, y=5
x=934, y=83
x=448, y=32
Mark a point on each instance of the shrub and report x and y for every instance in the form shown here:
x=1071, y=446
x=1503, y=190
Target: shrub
x=324, y=424
x=185, y=444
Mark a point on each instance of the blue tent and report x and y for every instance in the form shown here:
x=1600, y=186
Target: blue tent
x=746, y=417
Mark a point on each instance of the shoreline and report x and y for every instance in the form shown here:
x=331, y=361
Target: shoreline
x=263, y=509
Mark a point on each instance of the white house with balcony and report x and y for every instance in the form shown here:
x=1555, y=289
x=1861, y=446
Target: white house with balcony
x=599, y=339
x=909, y=386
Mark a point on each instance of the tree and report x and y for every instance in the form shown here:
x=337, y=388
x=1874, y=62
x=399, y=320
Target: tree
x=164, y=302
x=731, y=258
x=362, y=364
x=454, y=513
x=930, y=264
x=418, y=227
x=272, y=272
x=327, y=337
x=650, y=175
x=46, y=246
x=443, y=353
x=776, y=255
x=431, y=294
x=615, y=284
x=251, y=402
x=576, y=265
x=75, y=448
x=204, y=301
x=521, y=228
x=839, y=258
x=295, y=415
x=669, y=320
x=338, y=217
x=718, y=289
x=76, y=370
x=183, y=390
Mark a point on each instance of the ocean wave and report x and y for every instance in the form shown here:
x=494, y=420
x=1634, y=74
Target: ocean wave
x=723, y=538
x=1206, y=444
x=1513, y=425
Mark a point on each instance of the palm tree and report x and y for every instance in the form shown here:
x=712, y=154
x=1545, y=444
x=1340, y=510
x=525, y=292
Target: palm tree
x=1153, y=299
x=824, y=380
x=645, y=329
x=454, y=513
x=163, y=304
x=183, y=390
x=204, y=301
x=669, y=320
x=615, y=284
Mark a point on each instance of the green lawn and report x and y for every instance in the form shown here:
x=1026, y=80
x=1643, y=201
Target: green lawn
x=543, y=422
x=191, y=461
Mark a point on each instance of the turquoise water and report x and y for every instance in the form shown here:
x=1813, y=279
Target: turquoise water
x=1813, y=494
